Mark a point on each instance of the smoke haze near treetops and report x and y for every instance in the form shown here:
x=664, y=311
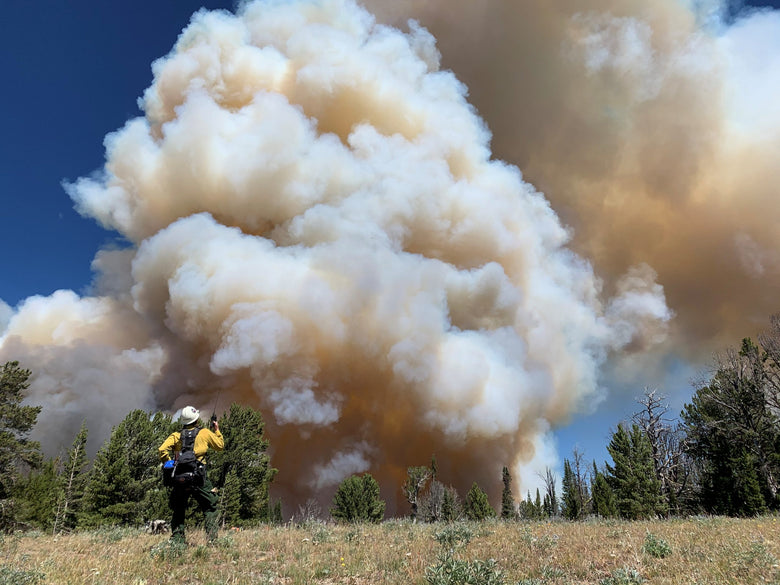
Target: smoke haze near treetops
x=319, y=229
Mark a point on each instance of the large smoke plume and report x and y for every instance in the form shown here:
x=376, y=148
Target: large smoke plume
x=319, y=227
x=651, y=127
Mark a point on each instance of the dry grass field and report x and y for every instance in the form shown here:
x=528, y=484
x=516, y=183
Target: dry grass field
x=696, y=550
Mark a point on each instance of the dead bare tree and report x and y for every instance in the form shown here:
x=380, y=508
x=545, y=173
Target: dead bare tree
x=672, y=466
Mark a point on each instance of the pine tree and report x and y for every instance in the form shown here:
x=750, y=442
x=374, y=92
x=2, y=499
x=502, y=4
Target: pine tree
x=357, y=500
x=732, y=431
x=538, y=506
x=507, y=501
x=244, y=453
x=632, y=478
x=477, y=506
x=449, y=505
x=36, y=496
x=17, y=451
x=570, y=502
x=230, y=500
x=604, y=503
x=73, y=481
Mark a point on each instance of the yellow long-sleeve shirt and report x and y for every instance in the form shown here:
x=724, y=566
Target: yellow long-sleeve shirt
x=205, y=440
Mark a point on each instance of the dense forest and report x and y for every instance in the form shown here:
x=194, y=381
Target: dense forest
x=720, y=455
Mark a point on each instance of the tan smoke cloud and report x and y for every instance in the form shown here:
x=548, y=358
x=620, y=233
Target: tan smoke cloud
x=652, y=130
x=319, y=230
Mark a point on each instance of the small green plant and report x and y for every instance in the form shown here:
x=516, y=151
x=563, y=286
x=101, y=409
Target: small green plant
x=11, y=576
x=452, y=571
x=168, y=550
x=623, y=576
x=454, y=535
x=656, y=547
x=353, y=535
x=320, y=533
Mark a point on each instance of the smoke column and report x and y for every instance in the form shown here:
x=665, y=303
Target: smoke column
x=319, y=230
x=653, y=130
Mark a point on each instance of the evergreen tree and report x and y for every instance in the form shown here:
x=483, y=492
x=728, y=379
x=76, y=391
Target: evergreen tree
x=450, y=510
x=632, y=478
x=230, y=500
x=17, y=451
x=538, y=506
x=73, y=481
x=604, y=503
x=507, y=501
x=357, y=500
x=125, y=477
x=245, y=453
x=732, y=431
x=570, y=502
x=37, y=495
x=477, y=506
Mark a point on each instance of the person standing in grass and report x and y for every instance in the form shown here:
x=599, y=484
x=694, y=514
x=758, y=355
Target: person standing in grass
x=199, y=440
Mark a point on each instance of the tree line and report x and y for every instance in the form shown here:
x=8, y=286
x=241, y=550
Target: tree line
x=122, y=484
x=721, y=455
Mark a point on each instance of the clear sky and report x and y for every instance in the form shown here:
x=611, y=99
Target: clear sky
x=73, y=72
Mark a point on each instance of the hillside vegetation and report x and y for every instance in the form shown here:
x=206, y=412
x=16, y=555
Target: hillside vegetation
x=610, y=552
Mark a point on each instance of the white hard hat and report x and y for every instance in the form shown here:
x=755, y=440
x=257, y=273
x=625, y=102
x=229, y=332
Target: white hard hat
x=189, y=414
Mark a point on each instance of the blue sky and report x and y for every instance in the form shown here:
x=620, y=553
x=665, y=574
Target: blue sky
x=73, y=72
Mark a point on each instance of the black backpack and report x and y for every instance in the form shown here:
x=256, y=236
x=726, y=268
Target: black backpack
x=187, y=471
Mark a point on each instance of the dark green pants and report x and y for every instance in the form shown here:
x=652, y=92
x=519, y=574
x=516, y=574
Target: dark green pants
x=207, y=500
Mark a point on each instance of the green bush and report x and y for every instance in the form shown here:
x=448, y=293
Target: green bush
x=623, y=576
x=656, y=547
x=453, y=535
x=357, y=500
x=452, y=571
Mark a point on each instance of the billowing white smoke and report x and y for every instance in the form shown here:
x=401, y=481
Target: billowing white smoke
x=318, y=230
x=651, y=127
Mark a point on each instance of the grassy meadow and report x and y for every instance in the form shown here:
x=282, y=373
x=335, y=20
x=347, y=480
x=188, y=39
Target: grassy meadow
x=697, y=550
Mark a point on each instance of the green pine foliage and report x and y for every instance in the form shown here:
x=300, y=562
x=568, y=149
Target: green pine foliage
x=125, y=480
x=450, y=505
x=230, y=500
x=603, y=502
x=508, y=511
x=17, y=452
x=73, y=482
x=37, y=496
x=734, y=434
x=632, y=476
x=477, y=506
x=245, y=454
x=357, y=500
x=570, y=502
